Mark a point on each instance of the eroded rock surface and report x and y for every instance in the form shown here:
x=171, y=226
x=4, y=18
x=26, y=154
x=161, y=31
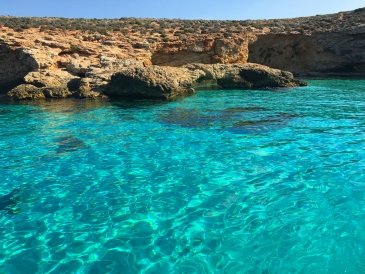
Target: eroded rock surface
x=205, y=51
x=61, y=58
x=153, y=82
x=242, y=76
x=14, y=65
x=332, y=53
x=169, y=82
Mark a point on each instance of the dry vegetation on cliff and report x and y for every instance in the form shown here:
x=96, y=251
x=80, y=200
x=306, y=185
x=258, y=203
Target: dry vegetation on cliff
x=83, y=54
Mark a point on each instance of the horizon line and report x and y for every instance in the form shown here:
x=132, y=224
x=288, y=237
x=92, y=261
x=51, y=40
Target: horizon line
x=178, y=19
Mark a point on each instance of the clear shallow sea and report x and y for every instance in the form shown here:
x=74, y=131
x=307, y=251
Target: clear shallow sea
x=220, y=182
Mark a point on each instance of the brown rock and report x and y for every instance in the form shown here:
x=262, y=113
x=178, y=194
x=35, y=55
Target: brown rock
x=169, y=82
x=56, y=92
x=332, y=43
x=30, y=92
x=205, y=51
x=49, y=78
x=14, y=65
x=153, y=82
x=245, y=76
x=26, y=92
x=320, y=53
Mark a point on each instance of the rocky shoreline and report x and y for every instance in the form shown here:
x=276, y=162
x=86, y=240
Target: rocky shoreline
x=160, y=82
x=150, y=58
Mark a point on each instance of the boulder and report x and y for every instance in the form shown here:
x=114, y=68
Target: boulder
x=169, y=82
x=88, y=88
x=246, y=76
x=26, y=92
x=30, y=92
x=153, y=82
x=49, y=78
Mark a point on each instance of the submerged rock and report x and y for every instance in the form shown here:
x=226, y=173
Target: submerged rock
x=69, y=144
x=4, y=111
x=195, y=118
x=10, y=201
x=231, y=119
x=244, y=109
x=187, y=118
x=267, y=124
x=255, y=127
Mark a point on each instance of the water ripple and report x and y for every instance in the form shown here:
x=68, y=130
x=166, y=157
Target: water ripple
x=220, y=182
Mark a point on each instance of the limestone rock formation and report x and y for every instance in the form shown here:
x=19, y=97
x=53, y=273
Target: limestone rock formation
x=14, y=65
x=332, y=53
x=168, y=82
x=26, y=92
x=205, y=51
x=153, y=82
x=59, y=58
x=30, y=92
x=243, y=76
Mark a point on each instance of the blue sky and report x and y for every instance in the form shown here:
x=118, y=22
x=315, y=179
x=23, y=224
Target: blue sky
x=191, y=9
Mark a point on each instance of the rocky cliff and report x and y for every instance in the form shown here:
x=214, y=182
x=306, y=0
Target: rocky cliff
x=339, y=53
x=54, y=57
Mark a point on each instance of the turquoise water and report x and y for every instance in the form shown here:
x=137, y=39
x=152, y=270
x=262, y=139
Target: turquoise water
x=220, y=182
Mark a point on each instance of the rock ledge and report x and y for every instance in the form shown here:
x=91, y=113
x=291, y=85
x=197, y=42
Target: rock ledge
x=160, y=82
x=169, y=82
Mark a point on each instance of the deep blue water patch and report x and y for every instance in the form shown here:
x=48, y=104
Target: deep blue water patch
x=220, y=182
